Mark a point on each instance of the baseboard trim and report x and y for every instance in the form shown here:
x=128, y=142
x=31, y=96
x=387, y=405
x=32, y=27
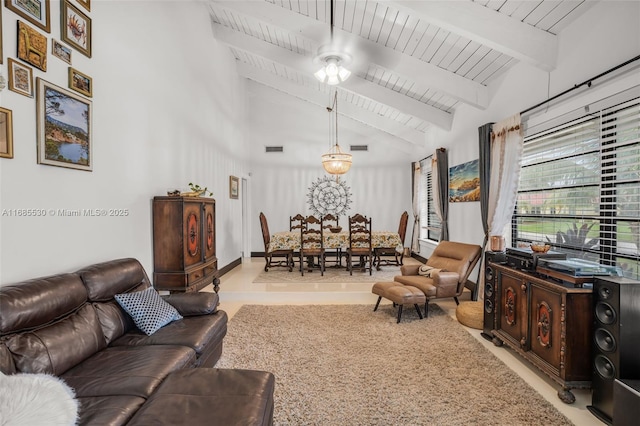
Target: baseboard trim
x=230, y=266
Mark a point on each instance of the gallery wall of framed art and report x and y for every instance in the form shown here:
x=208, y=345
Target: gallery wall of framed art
x=28, y=29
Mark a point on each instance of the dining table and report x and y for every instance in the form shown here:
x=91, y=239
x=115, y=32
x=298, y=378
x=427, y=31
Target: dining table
x=290, y=240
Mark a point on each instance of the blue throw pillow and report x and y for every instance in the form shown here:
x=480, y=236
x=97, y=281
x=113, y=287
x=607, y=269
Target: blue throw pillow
x=148, y=310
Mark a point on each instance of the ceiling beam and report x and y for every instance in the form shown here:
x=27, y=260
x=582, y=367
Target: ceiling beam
x=494, y=29
x=365, y=51
x=354, y=84
x=369, y=118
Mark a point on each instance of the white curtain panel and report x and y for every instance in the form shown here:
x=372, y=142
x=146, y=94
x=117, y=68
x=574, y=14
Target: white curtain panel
x=435, y=185
x=415, y=235
x=506, y=153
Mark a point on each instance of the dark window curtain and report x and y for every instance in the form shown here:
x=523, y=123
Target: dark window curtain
x=442, y=157
x=484, y=167
x=415, y=207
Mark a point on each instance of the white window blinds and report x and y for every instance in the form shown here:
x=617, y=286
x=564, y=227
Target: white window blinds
x=429, y=222
x=580, y=187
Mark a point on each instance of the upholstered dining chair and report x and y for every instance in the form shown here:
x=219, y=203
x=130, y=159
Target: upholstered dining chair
x=398, y=258
x=278, y=254
x=360, y=244
x=445, y=272
x=311, y=244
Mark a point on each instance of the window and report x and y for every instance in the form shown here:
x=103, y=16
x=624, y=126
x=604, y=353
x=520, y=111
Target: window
x=429, y=221
x=579, y=187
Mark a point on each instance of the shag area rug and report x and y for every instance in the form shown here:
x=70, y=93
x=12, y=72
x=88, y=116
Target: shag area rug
x=347, y=365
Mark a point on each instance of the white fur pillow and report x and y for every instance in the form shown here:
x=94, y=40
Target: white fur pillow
x=36, y=399
x=428, y=271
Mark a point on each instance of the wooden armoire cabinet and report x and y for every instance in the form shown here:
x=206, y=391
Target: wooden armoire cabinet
x=547, y=322
x=184, y=244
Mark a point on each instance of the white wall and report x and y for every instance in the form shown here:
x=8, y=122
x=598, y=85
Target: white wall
x=605, y=36
x=380, y=193
x=168, y=108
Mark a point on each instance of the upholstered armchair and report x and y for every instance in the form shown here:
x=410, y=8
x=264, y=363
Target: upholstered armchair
x=452, y=263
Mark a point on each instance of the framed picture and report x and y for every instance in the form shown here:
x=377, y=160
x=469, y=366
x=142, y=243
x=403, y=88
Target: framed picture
x=64, y=127
x=32, y=46
x=37, y=12
x=75, y=28
x=60, y=51
x=464, y=182
x=86, y=4
x=20, y=78
x=6, y=133
x=233, y=187
x=80, y=82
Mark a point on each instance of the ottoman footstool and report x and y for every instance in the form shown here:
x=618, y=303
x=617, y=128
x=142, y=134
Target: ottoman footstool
x=400, y=295
x=210, y=396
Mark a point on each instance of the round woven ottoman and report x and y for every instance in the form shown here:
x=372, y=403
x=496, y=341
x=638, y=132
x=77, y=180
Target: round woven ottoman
x=470, y=314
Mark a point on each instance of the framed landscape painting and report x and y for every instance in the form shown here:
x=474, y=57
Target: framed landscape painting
x=6, y=133
x=464, y=182
x=75, y=28
x=80, y=82
x=37, y=12
x=60, y=51
x=64, y=127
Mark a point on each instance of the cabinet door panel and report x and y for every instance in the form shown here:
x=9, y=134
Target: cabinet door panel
x=192, y=237
x=513, y=308
x=546, y=324
x=209, y=235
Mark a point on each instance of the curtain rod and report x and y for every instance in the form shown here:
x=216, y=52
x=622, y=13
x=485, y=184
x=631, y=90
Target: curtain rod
x=431, y=155
x=586, y=82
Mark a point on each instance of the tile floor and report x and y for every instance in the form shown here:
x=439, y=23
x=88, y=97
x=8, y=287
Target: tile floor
x=237, y=288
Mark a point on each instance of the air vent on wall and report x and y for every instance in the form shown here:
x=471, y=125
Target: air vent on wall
x=359, y=147
x=274, y=149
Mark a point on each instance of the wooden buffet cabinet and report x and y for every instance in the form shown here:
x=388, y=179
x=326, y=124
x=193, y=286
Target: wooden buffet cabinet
x=547, y=322
x=184, y=244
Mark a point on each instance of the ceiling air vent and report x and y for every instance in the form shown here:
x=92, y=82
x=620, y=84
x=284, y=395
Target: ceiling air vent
x=274, y=149
x=359, y=147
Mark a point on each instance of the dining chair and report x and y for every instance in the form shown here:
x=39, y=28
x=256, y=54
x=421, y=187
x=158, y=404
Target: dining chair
x=295, y=224
x=311, y=245
x=360, y=243
x=330, y=224
x=397, y=260
x=278, y=254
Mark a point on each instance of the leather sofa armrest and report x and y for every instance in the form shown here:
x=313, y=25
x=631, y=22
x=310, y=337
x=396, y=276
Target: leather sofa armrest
x=193, y=304
x=409, y=269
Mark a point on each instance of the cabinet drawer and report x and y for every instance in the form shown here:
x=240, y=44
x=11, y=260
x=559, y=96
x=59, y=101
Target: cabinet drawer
x=195, y=276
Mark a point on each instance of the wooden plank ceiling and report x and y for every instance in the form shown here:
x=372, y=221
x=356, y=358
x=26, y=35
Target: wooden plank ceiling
x=414, y=62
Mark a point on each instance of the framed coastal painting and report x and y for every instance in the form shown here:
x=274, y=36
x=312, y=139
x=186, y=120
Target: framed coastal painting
x=464, y=182
x=6, y=133
x=80, y=82
x=32, y=46
x=233, y=187
x=20, y=78
x=37, y=12
x=75, y=28
x=60, y=51
x=63, y=127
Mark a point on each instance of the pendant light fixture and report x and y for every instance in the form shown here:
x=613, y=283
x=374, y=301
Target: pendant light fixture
x=333, y=71
x=335, y=162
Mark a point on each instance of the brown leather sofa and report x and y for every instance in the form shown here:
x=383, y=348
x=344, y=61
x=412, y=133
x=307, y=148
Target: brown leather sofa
x=455, y=261
x=70, y=326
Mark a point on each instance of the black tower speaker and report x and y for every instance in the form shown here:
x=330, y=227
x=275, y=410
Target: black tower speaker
x=490, y=291
x=616, y=340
